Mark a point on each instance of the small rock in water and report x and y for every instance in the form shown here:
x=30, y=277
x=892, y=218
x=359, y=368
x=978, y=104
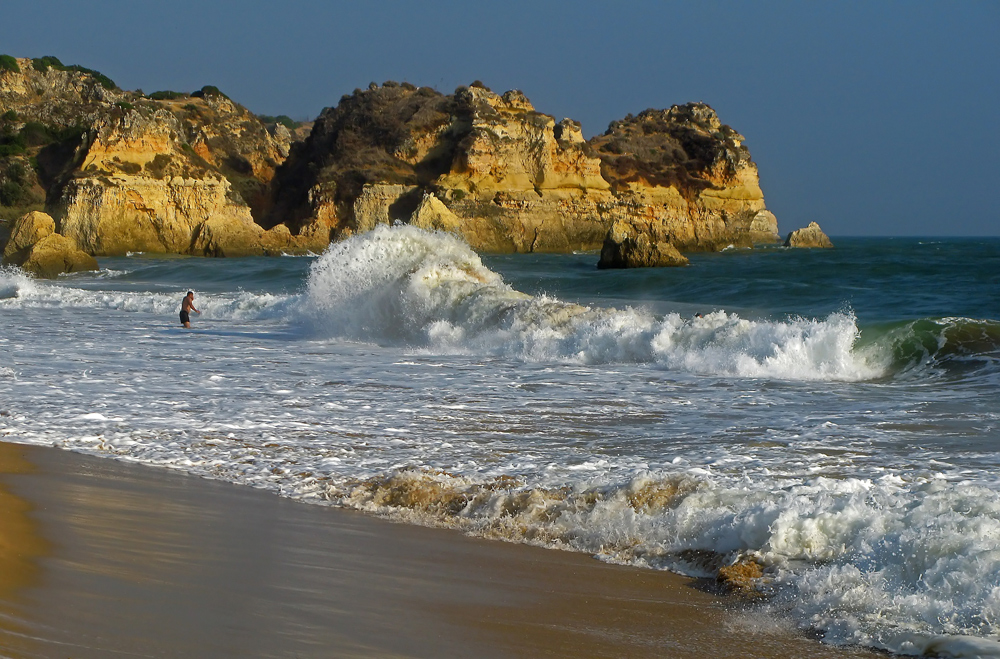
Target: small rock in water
x=810, y=236
x=742, y=577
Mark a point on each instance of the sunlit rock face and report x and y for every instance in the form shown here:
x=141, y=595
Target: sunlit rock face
x=121, y=171
x=199, y=174
x=809, y=236
x=508, y=178
x=35, y=247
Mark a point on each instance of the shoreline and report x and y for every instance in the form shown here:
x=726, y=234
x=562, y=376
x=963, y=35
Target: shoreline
x=131, y=560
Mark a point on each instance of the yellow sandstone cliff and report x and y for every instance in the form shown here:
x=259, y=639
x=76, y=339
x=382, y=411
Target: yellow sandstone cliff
x=198, y=174
x=123, y=172
x=507, y=178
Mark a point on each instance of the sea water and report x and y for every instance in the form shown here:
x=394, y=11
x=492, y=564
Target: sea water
x=831, y=414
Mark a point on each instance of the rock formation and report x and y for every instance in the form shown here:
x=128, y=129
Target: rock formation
x=510, y=179
x=810, y=236
x=120, y=171
x=623, y=248
x=198, y=174
x=24, y=233
x=742, y=578
x=37, y=248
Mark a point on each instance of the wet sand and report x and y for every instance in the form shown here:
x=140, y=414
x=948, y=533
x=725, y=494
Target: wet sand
x=100, y=558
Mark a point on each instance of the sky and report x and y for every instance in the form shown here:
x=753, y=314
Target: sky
x=875, y=118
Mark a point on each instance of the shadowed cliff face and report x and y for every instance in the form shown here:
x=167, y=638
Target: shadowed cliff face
x=394, y=135
x=511, y=179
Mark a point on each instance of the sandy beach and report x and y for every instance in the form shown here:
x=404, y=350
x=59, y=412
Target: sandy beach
x=107, y=559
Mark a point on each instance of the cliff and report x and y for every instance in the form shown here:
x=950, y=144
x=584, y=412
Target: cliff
x=196, y=173
x=510, y=179
x=122, y=171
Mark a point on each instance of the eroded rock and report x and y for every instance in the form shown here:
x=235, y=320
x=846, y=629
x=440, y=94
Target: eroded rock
x=35, y=247
x=623, y=249
x=742, y=577
x=56, y=254
x=810, y=236
x=511, y=179
x=25, y=233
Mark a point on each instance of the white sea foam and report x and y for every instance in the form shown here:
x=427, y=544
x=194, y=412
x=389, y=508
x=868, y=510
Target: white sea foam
x=431, y=291
x=18, y=290
x=908, y=567
x=13, y=281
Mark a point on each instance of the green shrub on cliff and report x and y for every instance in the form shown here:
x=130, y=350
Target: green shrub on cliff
x=158, y=165
x=42, y=64
x=167, y=95
x=8, y=63
x=34, y=134
x=11, y=142
x=282, y=119
x=104, y=80
x=208, y=90
x=11, y=194
x=15, y=186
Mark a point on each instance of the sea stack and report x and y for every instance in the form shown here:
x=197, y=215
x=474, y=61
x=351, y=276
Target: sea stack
x=810, y=236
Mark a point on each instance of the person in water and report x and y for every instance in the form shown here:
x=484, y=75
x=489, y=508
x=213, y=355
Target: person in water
x=187, y=306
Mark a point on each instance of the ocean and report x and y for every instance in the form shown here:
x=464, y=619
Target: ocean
x=832, y=415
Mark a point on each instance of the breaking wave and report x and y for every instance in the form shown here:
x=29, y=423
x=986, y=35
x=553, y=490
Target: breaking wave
x=909, y=567
x=431, y=291
x=951, y=346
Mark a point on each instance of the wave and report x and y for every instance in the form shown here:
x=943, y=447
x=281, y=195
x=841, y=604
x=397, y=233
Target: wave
x=13, y=281
x=17, y=289
x=908, y=567
x=431, y=291
x=951, y=346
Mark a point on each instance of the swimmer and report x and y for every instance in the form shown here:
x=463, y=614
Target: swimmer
x=187, y=306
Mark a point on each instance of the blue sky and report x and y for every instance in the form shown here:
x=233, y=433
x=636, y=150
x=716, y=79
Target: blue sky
x=871, y=118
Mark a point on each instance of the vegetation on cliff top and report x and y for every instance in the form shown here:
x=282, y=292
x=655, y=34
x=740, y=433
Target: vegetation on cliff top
x=282, y=119
x=678, y=147
x=9, y=63
x=167, y=95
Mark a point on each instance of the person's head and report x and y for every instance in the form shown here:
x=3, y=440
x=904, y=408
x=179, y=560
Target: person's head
x=191, y=294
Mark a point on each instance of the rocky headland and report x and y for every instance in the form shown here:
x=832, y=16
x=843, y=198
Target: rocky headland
x=511, y=179
x=125, y=172
x=197, y=173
